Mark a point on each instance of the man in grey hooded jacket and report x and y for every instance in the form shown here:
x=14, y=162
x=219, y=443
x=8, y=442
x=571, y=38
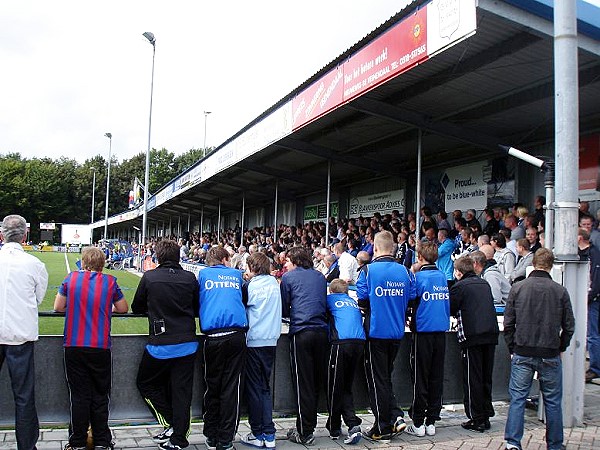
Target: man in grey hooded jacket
x=485, y=266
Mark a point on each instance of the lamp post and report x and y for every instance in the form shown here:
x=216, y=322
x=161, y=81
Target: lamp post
x=109, y=136
x=152, y=41
x=93, y=202
x=206, y=113
x=93, y=193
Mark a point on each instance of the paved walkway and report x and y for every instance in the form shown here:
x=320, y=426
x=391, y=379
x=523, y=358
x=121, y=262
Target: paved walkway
x=449, y=433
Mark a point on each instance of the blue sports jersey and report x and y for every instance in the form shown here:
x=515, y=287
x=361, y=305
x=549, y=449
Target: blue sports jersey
x=221, y=307
x=345, y=319
x=384, y=288
x=433, y=301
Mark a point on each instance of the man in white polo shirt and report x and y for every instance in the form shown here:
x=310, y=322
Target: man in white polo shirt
x=23, y=283
x=347, y=264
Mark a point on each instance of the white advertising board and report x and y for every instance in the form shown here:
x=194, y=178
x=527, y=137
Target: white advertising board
x=382, y=202
x=465, y=187
x=76, y=234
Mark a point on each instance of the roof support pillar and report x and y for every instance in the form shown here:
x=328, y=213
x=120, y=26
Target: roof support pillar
x=242, y=222
x=219, y=223
x=327, y=200
x=202, y=220
x=275, y=212
x=574, y=273
x=419, y=170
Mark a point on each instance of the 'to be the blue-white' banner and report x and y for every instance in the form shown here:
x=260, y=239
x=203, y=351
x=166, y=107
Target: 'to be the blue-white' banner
x=465, y=187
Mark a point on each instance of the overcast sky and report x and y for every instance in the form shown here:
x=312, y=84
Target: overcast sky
x=73, y=70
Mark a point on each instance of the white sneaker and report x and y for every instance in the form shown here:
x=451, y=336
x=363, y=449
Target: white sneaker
x=254, y=441
x=415, y=431
x=430, y=430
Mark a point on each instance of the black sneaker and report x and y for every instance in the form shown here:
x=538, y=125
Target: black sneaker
x=375, y=436
x=163, y=436
x=294, y=436
x=110, y=446
x=211, y=444
x=169, y=446
x=70, y=447
x=473, y=426
x=225, y=446
x=335, y=434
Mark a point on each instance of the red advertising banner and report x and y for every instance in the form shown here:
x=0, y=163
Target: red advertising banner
x=430, y=29
x=318, y=99
x=394, y=52
x=589, y=163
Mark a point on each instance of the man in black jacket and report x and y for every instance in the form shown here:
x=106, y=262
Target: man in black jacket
x=471, y=302
x=169, y=295
x=538, y=326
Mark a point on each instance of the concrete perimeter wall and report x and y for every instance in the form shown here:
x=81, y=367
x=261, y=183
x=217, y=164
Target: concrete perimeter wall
x=126, y=405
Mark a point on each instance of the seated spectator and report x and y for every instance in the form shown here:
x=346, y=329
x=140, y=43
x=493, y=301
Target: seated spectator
x=504, y=257
x=491, y=224
x=532, y=236
x=486, y=268
x=472, y=221
x=443, y=223
x=525, y=260
x=333, y=268
x=363, y=258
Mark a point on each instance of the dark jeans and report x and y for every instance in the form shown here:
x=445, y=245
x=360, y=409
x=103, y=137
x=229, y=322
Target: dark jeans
x=19, y=359
x=259, y=363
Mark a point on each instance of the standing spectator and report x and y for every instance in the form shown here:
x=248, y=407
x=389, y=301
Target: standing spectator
x=23, y=283
x=429, y=322
x=304, y=297
x=539, y=218
x=504, y=257
x=262, y=298
x=88, y=297
x=402, y=247
x=516, y=232
x=347, y=264
x=472, y=221
x=443, y=223
x=491, y=224
x=532, y=236
x=347, y=337
x=169, y=296
x=587, y=222
x=538, y=326
x=384, y=288
x=443, y=259
x=525, y=260
x=589, y=252
x=223, y=320
x=471, y=302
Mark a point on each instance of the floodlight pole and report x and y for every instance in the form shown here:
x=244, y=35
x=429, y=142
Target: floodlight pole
x=152, y=41
x=109, y=136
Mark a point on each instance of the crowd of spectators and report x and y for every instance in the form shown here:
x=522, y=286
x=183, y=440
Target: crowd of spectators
x=514, y=234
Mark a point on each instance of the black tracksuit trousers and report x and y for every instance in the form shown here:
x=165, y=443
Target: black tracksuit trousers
x=427, y=369
x=166, y=387
x=344, y=359
x=308, y=352
x=379, y=364
x=224, y=362
x=478, y=368
x=88, y=372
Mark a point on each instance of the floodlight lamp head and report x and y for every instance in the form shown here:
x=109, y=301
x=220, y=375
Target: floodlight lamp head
x=108, y=135
x=150, y=37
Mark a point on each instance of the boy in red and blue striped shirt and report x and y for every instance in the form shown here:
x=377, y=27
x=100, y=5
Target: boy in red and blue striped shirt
x=88, y=297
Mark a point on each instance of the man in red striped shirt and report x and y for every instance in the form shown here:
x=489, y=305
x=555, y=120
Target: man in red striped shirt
x=88, y=297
